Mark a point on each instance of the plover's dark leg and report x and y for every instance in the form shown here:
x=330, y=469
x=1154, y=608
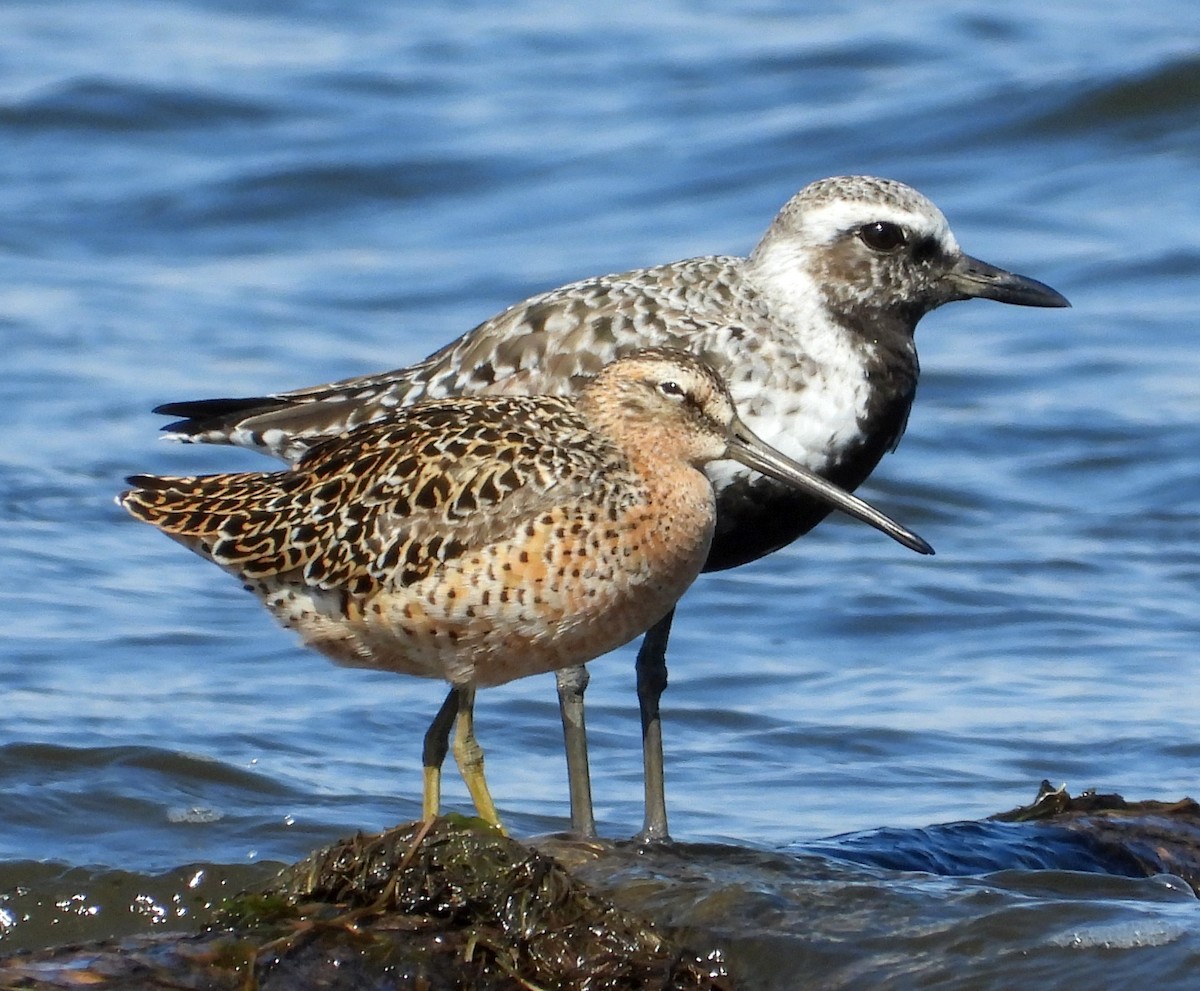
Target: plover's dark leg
x=572, y=683
x=437, y=742
x=651, y=682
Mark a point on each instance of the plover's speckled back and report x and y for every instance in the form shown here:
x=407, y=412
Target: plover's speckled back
x=813, y=333
x=484, y=539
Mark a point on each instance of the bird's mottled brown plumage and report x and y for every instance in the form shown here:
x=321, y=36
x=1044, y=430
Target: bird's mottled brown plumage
x=466, y=539
x=483, y=539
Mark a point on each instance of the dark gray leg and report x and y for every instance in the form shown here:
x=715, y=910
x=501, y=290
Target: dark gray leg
x=651, y=682
x=572, y=683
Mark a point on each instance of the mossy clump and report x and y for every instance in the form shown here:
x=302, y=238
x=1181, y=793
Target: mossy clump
x=430, y=906
x=513, y=916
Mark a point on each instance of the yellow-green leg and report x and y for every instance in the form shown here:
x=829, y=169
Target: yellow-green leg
x=469, y=756
x=437, y=742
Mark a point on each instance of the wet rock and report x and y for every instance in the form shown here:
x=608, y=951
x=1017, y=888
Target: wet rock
x=451, y=904
x=1134, y=838
x=456, y=905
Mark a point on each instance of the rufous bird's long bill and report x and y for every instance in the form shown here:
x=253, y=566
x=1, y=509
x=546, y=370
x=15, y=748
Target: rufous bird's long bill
x=749, y=449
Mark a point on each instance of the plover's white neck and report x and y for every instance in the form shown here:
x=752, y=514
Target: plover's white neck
x=837, y=308
x=806, y=393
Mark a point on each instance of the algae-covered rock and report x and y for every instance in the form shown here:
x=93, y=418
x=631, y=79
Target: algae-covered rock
x=503, y=910
x=454, y=904
x=449, y=904
x=1146, y=838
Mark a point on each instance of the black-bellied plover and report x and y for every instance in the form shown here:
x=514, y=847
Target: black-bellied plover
x=483, y=539
x=813, y=333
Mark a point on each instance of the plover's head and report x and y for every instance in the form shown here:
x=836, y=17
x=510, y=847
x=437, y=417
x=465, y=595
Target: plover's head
x=876, y=249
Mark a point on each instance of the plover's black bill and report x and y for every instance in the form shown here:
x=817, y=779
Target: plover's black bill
x=975, y=279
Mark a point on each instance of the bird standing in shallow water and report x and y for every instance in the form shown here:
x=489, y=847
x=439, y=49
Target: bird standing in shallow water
x=485, y=539
x=813, y=332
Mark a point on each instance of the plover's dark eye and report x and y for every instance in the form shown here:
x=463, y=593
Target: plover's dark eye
x=672, y=389
x=882, y=236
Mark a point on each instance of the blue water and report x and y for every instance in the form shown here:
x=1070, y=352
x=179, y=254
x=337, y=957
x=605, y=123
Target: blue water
x=207, y=198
